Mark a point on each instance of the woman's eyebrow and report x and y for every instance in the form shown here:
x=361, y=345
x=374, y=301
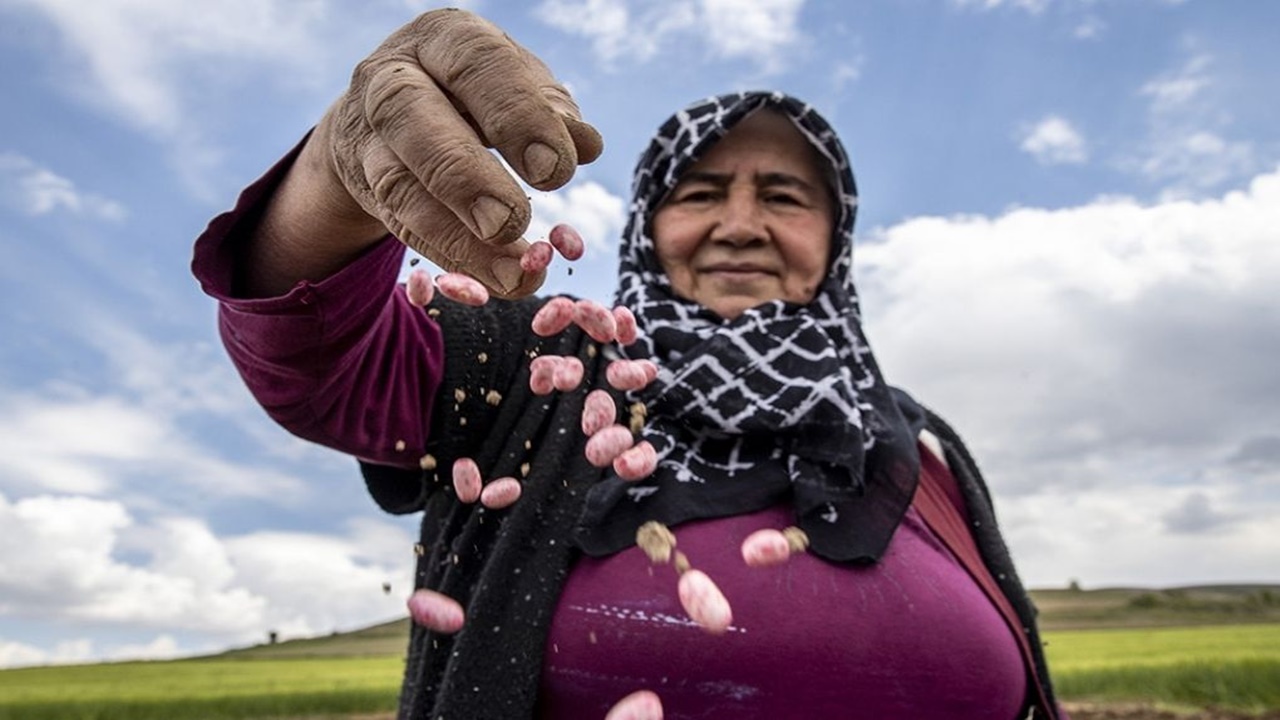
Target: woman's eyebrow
x=768, y=179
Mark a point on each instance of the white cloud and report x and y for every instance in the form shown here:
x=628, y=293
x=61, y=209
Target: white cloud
x=1054, y=141
x=36, y=190
x=1035, y=7
x=1118, y=355
x=1186, y=149
x=1089, y=28
x=759, y=30
x=92, y=562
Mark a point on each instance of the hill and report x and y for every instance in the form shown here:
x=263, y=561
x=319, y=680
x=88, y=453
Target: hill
x=1060, y=609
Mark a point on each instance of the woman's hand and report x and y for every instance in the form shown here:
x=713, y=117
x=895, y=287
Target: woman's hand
x=405, y=150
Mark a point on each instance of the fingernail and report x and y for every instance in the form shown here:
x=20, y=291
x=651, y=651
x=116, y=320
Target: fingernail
x=539, y=161
x=507, y=272
x=489, y=214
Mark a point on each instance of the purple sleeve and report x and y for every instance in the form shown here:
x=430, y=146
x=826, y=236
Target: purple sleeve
x=346, y=361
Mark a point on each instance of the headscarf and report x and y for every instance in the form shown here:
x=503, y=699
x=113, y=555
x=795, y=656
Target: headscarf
x=784, y=403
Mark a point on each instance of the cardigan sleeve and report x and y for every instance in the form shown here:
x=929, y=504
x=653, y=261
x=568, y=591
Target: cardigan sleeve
x=344, y=361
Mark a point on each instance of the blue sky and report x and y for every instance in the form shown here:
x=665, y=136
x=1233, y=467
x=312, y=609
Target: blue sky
x=1068, y=247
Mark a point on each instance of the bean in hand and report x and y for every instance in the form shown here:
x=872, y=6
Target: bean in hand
x=536, y=258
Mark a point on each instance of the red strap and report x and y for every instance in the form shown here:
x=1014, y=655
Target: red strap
x=942, y=516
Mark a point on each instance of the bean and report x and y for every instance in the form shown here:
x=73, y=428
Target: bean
x=639, y=705
x=553, y=317
x=598, y=412
x=500, y=493
x=419, y=288
x=636, y=463
x=542, y=372
x=595, y=320
x=764, y=548
x=466, y=480
x=436, y=611
x=567, y=241
x=704, y=602
x=568, y=374
x=626, y=322
x=536, y=258
x=606, y=445
x=462, y=288
x=630, y=374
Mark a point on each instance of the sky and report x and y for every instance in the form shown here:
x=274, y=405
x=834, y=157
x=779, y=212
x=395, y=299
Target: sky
x=1068, y=246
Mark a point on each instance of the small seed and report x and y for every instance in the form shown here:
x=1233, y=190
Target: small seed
x=493, y=397
x=427, y=462
x=656, y=540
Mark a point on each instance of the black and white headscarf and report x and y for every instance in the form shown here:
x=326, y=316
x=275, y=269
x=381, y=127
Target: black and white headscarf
x=783, y=404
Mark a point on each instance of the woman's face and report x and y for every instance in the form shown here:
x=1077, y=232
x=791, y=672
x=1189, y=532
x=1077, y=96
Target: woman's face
x=750, y=222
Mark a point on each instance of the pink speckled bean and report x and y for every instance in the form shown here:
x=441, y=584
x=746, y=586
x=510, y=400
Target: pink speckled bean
x=606, y=445
x=500, y=493
x=639, y=705
x=436, y=611
x=466, y=480
x=626, y=322
x=595, y=320
x=568, y=375
x=542, y=373
x=419, y=288
x=704, y=602
x=553, y=317
x=536, y=258
x=630, y=374
x=763, y=548
x=637, y=463
x=598, y=412
x=463, y=288
x=567, y=241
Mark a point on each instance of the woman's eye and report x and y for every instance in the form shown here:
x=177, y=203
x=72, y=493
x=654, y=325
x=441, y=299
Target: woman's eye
x=697, y=196
x=782, y=199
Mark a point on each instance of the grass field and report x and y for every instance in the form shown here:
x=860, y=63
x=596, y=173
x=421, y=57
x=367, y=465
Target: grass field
x=1139, y=646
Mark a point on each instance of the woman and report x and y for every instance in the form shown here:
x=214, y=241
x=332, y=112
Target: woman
x=768, y=412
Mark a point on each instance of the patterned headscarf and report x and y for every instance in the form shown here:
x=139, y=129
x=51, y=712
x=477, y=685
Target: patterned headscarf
x=785, y=403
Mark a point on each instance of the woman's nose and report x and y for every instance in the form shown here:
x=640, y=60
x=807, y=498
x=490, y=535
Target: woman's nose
x=740, y=221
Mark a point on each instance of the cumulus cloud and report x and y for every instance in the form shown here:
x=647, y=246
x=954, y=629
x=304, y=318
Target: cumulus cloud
x=759, y=30
x=1114, y=350
x=95, y=562
x=36, y=190
x=1035, y=7
x=1054, y=141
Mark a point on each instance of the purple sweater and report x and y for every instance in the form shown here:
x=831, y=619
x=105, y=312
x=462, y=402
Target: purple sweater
x=348, y=363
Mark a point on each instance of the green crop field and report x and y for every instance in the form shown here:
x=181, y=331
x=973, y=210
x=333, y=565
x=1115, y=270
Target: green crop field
x=1205, y=647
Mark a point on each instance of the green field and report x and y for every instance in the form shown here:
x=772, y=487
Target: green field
x=1191, y=648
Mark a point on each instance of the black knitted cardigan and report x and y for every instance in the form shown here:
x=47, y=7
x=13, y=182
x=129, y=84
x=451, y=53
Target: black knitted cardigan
x=507, y=567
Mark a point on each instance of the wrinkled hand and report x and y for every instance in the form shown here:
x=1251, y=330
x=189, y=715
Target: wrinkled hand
x=409, y=143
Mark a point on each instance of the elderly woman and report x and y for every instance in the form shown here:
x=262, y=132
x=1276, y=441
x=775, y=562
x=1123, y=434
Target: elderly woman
x=768, y=410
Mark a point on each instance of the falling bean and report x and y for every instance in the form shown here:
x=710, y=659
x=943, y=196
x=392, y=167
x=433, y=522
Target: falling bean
x=500, y=493
x=419, y=288
x=639, y=705
x=466, y=480
x=606, y=445
x=626, y=322
x=763, y=548
x=553, y=317
x=542, y=372
x=631, y=374
x=637, y=462
x=462, y=288
x=436, y=611
x=567, y=241
x=536, y=258
x=568, y=374
x=598, y=412
x=704, y=602
x=595, y=320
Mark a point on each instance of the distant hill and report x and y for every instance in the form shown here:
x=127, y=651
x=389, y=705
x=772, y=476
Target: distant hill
x=1065, y=609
